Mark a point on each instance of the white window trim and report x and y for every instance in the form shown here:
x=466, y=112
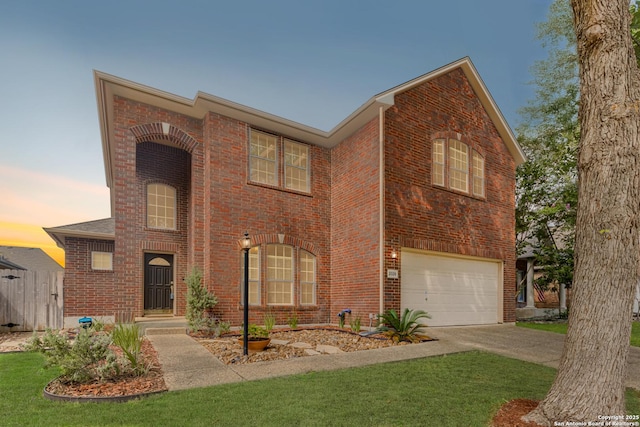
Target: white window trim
x=174, y=207
x=288, y=167
x=101, y=261
x=478, y=173
x=313, y=284
x=471, y=174
x=456, y=153
x=275, y=161
x=290, y=281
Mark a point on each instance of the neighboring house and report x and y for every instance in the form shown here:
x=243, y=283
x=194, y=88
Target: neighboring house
x=23, y=258
x=408, y=202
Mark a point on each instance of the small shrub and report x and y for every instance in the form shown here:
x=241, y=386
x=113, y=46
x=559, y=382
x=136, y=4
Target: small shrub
x=97, y=325
x=402, y=328
x=269, y=321
x=127, y=336
x=355, y=323
x=223, y=327
x=199, y=300
x=293, y=320
x=255, y=332
x=78, y=362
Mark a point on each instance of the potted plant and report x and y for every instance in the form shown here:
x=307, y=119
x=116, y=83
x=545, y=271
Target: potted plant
x=258, y=338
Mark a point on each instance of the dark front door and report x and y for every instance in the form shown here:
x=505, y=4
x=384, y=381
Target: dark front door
x=158, y=283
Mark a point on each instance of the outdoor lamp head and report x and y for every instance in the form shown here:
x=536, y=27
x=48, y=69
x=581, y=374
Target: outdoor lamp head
x=246, y=241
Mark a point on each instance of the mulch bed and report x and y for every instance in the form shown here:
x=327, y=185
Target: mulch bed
x=510, y=414
x=229, y=351
x=152, y=382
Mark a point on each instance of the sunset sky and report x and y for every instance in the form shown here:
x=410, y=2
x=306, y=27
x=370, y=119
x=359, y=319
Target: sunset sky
x=311, y=62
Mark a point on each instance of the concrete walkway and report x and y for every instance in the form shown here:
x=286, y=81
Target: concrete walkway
x=187, y=364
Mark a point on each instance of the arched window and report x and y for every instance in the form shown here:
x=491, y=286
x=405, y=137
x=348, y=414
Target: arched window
x=457, y=167
x=161, y=207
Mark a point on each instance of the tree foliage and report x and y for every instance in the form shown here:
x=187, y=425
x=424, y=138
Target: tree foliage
x=549, y=135
x=591, y=373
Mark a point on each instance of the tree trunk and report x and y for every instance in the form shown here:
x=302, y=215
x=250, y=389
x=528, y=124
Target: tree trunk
x=590, y=380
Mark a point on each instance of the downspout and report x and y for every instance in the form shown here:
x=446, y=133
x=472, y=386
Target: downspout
x=381, y=171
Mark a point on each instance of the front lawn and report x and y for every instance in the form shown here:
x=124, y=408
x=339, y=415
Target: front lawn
x=561, y=328
x=463, y=389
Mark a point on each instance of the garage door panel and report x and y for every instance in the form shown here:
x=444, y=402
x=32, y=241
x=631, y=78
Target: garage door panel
x=454, y=291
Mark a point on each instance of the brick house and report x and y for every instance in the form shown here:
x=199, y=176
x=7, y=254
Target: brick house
x=408, y=202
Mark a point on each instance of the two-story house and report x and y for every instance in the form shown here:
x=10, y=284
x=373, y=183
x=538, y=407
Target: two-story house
x=408, y=202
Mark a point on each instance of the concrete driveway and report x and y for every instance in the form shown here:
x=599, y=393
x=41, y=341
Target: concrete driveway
x=531, y=345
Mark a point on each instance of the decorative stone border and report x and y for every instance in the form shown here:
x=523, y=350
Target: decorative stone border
x=95, y=399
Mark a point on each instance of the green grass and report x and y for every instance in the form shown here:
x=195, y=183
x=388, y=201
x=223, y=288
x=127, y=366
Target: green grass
x=456, y=390
x=561, y=328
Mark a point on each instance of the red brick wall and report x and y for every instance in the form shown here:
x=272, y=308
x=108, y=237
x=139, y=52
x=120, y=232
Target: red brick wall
x=420, y=215
x=338, y=221
x=355, y=213
x=132, y=237
x=217, y=204
x=237, y=205
x=87, y=292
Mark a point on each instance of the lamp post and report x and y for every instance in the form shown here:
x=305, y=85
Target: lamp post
x=245, y=242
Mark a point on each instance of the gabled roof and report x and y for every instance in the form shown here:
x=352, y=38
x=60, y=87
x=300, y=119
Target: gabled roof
x=107, y=86
x=103, y=229
x=34, y=259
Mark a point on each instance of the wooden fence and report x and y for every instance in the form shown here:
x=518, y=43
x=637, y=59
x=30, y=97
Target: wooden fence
x=30, y=300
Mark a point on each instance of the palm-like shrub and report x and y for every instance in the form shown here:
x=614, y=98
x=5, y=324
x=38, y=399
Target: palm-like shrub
x=402, y=328
x=129, y=339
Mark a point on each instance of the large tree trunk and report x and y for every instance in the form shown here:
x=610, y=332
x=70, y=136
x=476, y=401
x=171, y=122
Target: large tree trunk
x=590, y=380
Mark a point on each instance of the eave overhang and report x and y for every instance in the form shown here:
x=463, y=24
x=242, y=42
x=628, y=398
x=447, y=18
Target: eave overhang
x=108, y=86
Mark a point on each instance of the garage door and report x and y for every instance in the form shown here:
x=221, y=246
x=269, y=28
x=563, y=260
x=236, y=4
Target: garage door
x=454, y=291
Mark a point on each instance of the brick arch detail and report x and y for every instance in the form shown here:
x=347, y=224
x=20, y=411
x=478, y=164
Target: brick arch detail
x=161, y=131
x=459, y=137
x=284, y=239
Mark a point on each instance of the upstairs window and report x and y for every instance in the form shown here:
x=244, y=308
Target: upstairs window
x=279, y=162
x=478, y=174
x=437, y=168
x=263, y=158
x=458, y=166
x=454, y=167
x=296, y=166
x=161, y=207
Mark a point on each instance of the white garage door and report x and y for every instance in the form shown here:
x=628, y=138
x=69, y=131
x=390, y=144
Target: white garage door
x=454, y=291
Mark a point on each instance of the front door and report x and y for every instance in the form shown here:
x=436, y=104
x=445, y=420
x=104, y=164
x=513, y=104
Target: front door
x=158, y=283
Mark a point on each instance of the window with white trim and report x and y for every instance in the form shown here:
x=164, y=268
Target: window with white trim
x=161, y=207
x=296, y=166
x=458, y=166
x=102, y=261
x=437, y=165
x=307, y=278
x=263, y=158
x=254, y=277
x=279, y=275
x=454, y=167
x=279, y=162
x=478, y=174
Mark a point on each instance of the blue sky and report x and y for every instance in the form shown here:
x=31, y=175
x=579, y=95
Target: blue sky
x=314, y=62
